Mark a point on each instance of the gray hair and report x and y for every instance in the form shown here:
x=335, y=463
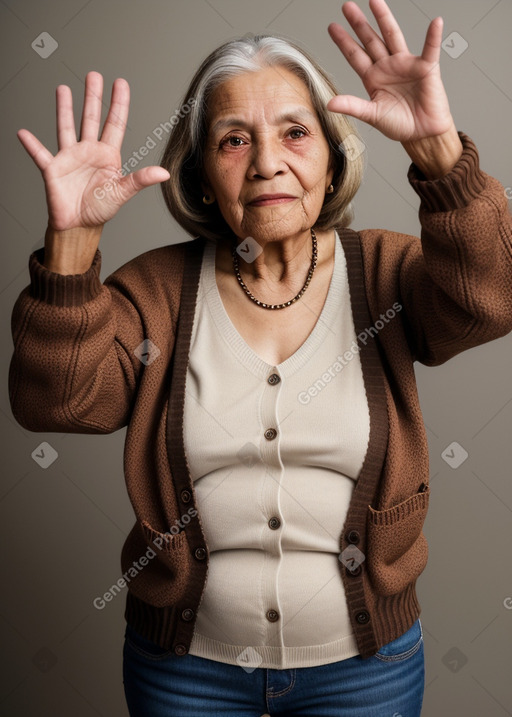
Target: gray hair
x=183, y=154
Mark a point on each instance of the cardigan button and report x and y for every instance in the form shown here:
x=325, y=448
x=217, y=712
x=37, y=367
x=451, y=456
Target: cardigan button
x=200, y=553
x=186, y=496
x=272, y=615
x=273, y=379
x=363, y=617
x=180, y=649
x=274, y=523
x=356, y=571
x=422, y=488
x=187, y=614
x=353, y=536
x=270, y=434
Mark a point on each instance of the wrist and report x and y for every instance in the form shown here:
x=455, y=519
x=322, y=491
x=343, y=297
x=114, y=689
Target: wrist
x=71, y=251
x=437, y=155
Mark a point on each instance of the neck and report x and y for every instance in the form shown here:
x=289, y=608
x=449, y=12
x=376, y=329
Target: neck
x=283, y=261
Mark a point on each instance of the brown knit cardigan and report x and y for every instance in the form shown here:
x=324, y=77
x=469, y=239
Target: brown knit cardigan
x=81, y=365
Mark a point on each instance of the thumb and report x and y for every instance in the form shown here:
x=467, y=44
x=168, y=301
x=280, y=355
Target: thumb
x=353, y=106
x=142, y=178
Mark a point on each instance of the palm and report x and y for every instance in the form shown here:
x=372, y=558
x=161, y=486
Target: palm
x=77, y=184
x=83, y=182
x=407, y=96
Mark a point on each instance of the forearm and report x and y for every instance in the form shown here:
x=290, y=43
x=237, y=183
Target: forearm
x=456, y=286
x=71, y=369
x=435, y=156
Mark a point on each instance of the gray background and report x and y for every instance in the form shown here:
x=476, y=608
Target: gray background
x=63, y=527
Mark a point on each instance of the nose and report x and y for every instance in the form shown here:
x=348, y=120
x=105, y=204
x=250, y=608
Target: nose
x=267, y=157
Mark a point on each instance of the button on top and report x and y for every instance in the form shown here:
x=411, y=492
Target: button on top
x=274, y=523
x=270, y=434
x=353, y=536
x=272, y=615
x=187, y=614
x=273, y=379
x=200, y=553
x=186, y=496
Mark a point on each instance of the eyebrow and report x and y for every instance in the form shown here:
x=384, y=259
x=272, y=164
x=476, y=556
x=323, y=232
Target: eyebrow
x=289, y=116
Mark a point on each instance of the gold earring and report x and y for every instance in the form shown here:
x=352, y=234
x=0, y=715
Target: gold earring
x=207, y=200
x=330, y=189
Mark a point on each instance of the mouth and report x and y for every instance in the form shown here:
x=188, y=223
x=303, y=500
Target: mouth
x=266, y=199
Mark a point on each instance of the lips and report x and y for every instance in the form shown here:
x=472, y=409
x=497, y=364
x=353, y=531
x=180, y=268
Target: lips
x=271, y=197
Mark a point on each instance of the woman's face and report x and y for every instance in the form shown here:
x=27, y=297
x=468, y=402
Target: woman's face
x=264, y=137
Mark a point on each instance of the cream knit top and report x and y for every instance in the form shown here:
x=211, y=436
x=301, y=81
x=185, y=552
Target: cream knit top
x=274, y=453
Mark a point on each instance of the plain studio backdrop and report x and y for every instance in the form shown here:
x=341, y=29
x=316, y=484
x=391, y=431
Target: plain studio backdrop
x=63, y=527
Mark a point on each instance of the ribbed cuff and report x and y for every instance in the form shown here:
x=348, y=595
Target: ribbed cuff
x=63, y=289
x=463, y=183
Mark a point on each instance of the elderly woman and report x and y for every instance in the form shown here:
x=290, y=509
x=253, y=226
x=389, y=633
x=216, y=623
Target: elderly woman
x=275, y=456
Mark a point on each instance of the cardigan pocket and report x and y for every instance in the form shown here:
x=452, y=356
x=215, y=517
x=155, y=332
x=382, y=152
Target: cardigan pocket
x=156, y=565
x=397, y=550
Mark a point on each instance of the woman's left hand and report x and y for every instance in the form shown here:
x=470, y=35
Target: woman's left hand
x=408, y=99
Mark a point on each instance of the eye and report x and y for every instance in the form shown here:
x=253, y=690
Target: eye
x=298, y=129
x=230, y=137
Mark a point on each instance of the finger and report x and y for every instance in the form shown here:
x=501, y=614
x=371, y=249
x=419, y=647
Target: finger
x=142, y=178
x=41, y=156
x=91, y=113
x=391, y=32
x=353, y=53
x=371, y=41
x=432, y=47
x=353, y=106
x=66, y=133
x=115, y=124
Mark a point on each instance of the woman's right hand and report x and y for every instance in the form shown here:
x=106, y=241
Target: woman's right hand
x=83, y=182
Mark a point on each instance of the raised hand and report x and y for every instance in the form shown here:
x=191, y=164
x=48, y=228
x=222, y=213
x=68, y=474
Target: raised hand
x=408, y=100
x=83, y=182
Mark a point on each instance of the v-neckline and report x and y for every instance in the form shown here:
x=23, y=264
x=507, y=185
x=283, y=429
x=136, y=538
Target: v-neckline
x=236, y=342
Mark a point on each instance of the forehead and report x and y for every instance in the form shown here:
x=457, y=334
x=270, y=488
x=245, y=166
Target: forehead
x=267, y=90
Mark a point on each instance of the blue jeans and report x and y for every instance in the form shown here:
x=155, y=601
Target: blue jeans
x=158, y=683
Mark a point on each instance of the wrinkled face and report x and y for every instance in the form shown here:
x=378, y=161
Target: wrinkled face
x=264, y=137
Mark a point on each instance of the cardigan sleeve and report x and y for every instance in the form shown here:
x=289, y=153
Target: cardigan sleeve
x=73, y=368
x=455, y=283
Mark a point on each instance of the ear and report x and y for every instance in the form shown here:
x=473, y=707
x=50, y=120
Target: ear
x=331, y=167
x=205, y=187
x=330, y=172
